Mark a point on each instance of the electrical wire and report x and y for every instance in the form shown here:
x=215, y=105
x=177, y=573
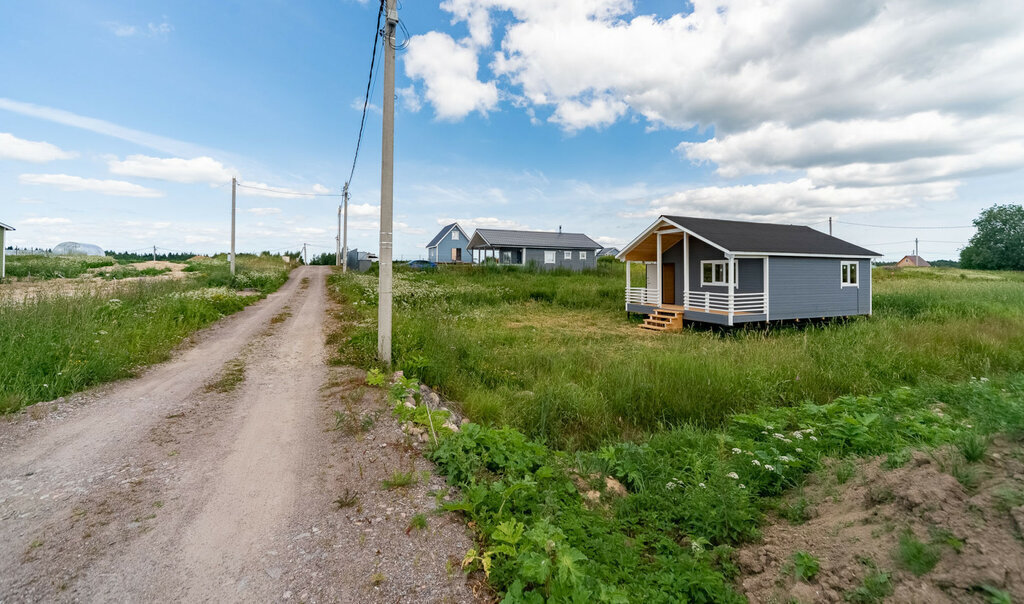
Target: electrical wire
x=366, y=99
x=286, y=192
x=889, y=226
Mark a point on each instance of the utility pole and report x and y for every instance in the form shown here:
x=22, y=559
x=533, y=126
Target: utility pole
x=387, y=191
x=154, y=253
x=829, y=226
x=305, y=257
x=337, y=241
x=344, y=232
x=234, y=183
x=916, y=254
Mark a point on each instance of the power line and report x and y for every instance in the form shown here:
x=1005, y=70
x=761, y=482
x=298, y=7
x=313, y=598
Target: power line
x=286, y=192
x=366, y=99
x=889, y=226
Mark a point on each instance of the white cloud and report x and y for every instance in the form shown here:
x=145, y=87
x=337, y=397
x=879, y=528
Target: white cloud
x=308, y=230
x=799, y=200
x=12, y=147
x=357, y=104
x=122, y=30
x=611, y=241
x=410, y=99
x=145, y=139
x=160, y=30
x=43, y=220
x=409, y=230
x=29, y=201
x=449, y=71
x=263, y=211
x=363, y=209
x=573, y=115
x=67, y=182
x=174, y=169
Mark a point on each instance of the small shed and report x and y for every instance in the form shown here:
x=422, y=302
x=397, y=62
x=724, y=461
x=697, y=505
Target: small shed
x=450, y=245
x=3, y=249
x=912, y=260
x=545, y=249
x=360, y=261
x=731, y=271
x=608, y=251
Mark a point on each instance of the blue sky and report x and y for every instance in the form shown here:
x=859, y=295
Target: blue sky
x=121, y=125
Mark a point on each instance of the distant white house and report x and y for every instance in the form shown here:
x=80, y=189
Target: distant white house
x=3, y=249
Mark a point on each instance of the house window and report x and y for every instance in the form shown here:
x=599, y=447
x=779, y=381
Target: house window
x=506, y=257
x=567, y=255
x=583, y=255
x=715, y=272
x=848, y=272
x=549, y=256
x=455, y=235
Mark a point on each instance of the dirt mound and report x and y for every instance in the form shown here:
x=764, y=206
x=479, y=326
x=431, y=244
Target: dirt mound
x=910, y=534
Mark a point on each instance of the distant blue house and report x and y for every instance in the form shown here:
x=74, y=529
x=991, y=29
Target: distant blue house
x=449, y=246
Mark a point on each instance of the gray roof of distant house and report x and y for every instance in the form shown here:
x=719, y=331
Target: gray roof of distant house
x=6, y=227
x=759, y=237
x=444, y=231
x=608, y=251
x=532, y=239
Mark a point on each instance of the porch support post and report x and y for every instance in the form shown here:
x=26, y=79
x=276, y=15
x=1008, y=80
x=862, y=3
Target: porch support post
x=660, y=296
x=767, y=317
x=629, y=282
x=686, y=270
x=732, y=268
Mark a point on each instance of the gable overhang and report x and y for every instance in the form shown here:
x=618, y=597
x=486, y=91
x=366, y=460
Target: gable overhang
x=644, y=248
x=445, y=234
x=483, y=244
x=6, y=227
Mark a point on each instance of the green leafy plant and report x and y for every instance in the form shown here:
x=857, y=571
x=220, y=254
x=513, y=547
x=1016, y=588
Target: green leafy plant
x=874, y=588
x=973, y=446
x=804, y=566
x=399, y=480
x=417, y=522
x=845, y=470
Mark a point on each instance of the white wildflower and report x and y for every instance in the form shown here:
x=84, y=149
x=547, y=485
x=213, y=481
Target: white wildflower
x=742, y=486
x=769, y=467
x=779, y=436
x=798, y=434
x=799, y=450
x=984, y=379
x=737, y=451
x=755, y=462
x=770, y=427
x=702, y=485
x=814, y=438
x=785, y=458
x=733, y=475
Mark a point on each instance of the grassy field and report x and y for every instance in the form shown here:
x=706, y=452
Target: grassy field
x=704, y=430
x=53, y=267
x=554, y=355
x=54, y=345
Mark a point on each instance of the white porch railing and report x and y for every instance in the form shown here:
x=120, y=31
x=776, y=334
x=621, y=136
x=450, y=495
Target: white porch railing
x=649, y=296
x=752, y=303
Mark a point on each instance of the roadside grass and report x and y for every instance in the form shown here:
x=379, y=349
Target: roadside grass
x=704, y=430
x=55, y=345
x=126, y=272
x=554, y=355
x=54, y=267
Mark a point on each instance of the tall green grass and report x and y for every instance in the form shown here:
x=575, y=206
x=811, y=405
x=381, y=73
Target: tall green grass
x=54, y=345
x=53, y=267
x=553, y=354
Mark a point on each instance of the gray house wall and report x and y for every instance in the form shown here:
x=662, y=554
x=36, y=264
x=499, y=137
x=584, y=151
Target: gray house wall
x=574, y=263
x=809, y=288
x=442, y=252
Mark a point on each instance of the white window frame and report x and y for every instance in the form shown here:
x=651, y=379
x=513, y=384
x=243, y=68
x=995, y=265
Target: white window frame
x=583, y=255
x=455, y=235
x=725, y=272
x=844, y=279
x=549, y=256
x=506, y=257
x=567, y=255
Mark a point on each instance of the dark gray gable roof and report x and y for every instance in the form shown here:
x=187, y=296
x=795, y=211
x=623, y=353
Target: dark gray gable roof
x=444, y=231
x=535, y=239
x=744, y=237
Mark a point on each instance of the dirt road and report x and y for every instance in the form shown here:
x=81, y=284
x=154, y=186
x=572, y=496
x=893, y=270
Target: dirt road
x=220, y=476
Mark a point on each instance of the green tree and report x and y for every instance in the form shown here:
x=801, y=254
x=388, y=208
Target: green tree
x=999, y=242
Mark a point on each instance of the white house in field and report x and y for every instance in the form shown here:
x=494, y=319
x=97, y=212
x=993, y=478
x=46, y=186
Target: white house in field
x=3, y=249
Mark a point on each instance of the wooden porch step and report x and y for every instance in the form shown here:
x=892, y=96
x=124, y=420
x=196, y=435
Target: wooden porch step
x=663, y=320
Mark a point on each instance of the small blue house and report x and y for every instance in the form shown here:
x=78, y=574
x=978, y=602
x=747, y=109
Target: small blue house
x=728, y=272
x=449, y=246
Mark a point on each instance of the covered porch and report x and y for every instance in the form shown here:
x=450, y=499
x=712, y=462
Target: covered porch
x=688, y=276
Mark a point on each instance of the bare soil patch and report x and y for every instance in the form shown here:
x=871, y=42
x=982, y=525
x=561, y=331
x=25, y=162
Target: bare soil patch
x=881, y=521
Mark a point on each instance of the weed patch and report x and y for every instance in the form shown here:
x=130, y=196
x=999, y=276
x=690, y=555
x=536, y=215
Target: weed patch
x=231, y=375
x=916, y=556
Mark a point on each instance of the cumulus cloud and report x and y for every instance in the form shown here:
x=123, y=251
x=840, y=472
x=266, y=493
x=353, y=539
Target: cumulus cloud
x=174, y=169
x=66, y=182
x=12, y=147
x=449, y=72
x=263, y=211
x=794, y=201
x=865, y=95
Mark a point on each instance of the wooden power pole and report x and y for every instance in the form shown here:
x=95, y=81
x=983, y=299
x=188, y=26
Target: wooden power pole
x=234, y=183
x=387, y=182
x=344, y=231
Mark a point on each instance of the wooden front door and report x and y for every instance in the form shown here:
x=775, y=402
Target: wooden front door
x=668, y=283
